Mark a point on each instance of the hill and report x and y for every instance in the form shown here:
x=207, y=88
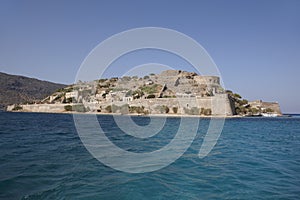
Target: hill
x=19, y=89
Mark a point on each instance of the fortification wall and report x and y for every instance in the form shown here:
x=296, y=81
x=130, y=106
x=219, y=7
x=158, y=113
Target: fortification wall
x=273, y=105
x=219, y=105
x=265, y=105
x=51, y=108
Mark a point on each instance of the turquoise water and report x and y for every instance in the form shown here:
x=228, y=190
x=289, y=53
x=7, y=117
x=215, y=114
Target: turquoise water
x=42, y=157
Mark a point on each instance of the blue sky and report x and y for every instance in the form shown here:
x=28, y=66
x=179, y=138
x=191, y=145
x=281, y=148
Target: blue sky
x=255, y=44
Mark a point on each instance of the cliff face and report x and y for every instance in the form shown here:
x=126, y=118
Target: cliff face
x=19, y=89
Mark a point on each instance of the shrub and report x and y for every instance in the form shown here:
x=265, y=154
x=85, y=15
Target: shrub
x=137, y=109
x=237, y=96
x=17, y=107
x=108, y=109
x=77, y=108
x=241, y=110
x=102, y=80
x=68, y=108
x=269, y=110
x=137, y=94
x=175, y=109
x=243, y=102
x=150, y=89
x=254, y=110
x=151, y=96
x=129, y=93
x=205, y=111
x=166, y=109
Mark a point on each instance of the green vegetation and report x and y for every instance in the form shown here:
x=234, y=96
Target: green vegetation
x=68, y=100
x=167, y=96
x=166, y=108
x=68, y=108
x=17, y=107
x=102, y=80
x=60, y=90
x=268, y=110
x=125, y=109
x=175, y=109
x=151, y=89
x=237, y=96
x=243, y=102
x=76, y=108
x=105, y=85
x=137, y=94
x=129, y=93
x=151, y=96
x=138, y=109
x=205, y=111
x=254, y=111
x=242, y=106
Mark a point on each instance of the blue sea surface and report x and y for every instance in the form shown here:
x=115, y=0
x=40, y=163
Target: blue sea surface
x=42, y=157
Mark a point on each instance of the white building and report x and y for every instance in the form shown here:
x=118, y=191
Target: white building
x=73, y=94
x=127, y=99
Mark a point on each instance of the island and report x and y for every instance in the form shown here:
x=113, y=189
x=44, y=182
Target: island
x=172, y=92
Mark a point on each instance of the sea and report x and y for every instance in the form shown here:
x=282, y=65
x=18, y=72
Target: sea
x=43, y=157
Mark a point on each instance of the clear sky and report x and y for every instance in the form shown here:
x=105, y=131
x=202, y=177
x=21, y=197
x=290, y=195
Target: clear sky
x=255, y=44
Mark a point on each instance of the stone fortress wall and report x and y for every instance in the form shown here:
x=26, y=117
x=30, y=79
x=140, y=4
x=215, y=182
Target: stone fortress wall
x=191, y=91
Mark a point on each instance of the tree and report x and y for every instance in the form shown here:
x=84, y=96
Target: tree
x=243, y=102
x=68, y=108
x=151, y=96
x=137, y=94
x=175, y=109
x=254, y=110
x=166, y=109
x=237, y=96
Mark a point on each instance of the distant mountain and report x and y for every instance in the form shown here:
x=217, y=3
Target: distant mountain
x=19, y=89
